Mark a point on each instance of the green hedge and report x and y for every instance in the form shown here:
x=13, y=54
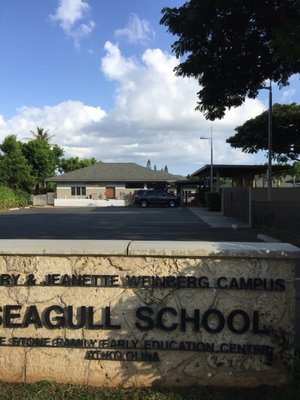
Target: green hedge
x=10, y=198
x=213, y=201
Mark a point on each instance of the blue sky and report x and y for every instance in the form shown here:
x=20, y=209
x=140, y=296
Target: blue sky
x=99, y=75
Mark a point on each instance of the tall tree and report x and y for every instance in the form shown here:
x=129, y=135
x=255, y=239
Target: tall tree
x=14, y=167
x=43, y=158
x=73, y=163
x=251, y=137
x=41, y=134
x=296, y=170
x=148, y=164
x=233, y=46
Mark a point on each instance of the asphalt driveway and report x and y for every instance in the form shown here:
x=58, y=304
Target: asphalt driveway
x=132, y=223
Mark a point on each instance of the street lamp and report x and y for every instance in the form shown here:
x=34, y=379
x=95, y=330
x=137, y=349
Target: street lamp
x=269, y=88
x=211, y=158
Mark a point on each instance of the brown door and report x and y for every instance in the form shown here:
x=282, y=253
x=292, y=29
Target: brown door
x=110, y=193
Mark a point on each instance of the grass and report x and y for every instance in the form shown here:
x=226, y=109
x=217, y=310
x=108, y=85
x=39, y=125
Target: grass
x=52, y=391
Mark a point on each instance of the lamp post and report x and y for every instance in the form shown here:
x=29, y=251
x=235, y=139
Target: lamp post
x=211, y=158
x=269, y=88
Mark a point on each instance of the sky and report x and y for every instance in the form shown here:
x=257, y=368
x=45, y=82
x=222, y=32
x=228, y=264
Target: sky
x=99, y=76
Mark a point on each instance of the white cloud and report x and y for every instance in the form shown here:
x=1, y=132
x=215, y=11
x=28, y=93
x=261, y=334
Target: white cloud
x=155, y=109
x=148, y=92
x=288, y=95
x=153, y=117
x=151, y=96
x=115, y=66
x=136, y=31
x=80, y=32
x=69, y=121
x=68, y=14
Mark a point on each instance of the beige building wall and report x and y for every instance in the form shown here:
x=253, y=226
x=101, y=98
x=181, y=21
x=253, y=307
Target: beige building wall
x=63, y=192
x=95, y=191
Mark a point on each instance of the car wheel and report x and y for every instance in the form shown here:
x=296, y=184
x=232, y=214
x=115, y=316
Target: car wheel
x=172, y=203
x=144, y=203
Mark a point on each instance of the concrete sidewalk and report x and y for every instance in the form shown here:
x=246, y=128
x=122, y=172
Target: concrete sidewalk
x=226, y=228
x=215, y=219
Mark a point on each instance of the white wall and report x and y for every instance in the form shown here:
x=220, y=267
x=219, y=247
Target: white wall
x=88, y=203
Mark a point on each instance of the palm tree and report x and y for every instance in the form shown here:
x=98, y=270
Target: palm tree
x=41, y=134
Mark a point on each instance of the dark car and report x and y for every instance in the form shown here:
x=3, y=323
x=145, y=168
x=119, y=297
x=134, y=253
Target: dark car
x=155, y=197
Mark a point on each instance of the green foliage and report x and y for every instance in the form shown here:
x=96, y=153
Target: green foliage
x=22, y=197
x=16, y=173
x=10, y=198
x=73, y=163
x=192, y=178
x=231, y=47
x=43, y=158
x=25, y=166
x=41, y=134
x=296, y=169
x=213, y=201
x=252, y=136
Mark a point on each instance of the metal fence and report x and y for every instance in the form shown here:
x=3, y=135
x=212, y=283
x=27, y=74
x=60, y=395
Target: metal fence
x=236, y=203
x=278, y=218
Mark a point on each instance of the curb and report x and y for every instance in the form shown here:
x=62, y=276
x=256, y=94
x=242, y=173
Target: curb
x=267, y=239
x=17, y=208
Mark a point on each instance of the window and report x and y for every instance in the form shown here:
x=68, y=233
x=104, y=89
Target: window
x=134, y=185
x=78, y=190
x=152, y=193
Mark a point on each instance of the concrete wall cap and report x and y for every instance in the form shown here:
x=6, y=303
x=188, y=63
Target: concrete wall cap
x=63, y=247
x=213, y=249
x=147, y=248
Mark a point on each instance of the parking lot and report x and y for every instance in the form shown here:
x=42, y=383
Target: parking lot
x=132, y=223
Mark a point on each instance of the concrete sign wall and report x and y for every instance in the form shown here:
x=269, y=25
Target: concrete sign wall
x=111, y=313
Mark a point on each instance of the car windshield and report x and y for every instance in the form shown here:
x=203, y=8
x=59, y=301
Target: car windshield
x=155, y=193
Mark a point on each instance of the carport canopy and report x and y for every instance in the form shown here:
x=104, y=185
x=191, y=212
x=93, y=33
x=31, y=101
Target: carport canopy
x=241, y=175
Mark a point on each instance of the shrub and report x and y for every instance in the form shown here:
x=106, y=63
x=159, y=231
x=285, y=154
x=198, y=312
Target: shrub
x=10, y=198
x=213, y=201
x=22, y=198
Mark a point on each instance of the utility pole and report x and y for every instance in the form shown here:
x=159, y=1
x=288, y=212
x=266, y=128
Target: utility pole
x=211, y=157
